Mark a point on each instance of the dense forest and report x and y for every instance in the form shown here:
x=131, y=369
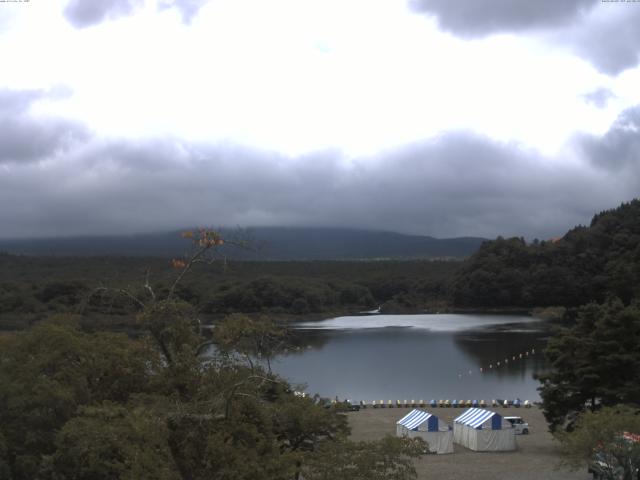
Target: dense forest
x=78, y=405
x=32, y=288
x=587, y=264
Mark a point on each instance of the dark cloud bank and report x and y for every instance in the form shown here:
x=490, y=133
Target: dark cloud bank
x=24, y=137
x=481, y=17
x=618, y=152
x=604, y=33
x=454, y=185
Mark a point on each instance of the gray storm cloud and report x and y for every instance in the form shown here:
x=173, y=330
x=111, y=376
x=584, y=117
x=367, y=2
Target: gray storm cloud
x=456, y=184
x=603, y=33
x=481, y=17
x=610, y=42
x=618, y=151
x=57, y=179
x=25, y=137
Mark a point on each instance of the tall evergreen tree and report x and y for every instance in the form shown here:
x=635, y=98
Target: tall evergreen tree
x=594, y=363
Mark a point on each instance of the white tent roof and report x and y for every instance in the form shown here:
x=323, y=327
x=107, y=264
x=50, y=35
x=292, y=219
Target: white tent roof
x=474, y=417
x=414, y=419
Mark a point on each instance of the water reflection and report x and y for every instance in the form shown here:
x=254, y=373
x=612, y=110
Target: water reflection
x=509, y=342
x=417, y=356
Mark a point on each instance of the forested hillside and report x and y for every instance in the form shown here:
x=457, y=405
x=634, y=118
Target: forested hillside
x=33, y=287
x=587, y=264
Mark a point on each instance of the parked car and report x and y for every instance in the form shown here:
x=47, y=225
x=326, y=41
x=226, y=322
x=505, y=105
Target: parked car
x=520, y=425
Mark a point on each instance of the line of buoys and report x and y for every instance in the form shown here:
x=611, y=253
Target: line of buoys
x=499, y=363
x=495, y=403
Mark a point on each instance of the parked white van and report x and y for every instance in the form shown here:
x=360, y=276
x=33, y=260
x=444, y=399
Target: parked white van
x=520, y=425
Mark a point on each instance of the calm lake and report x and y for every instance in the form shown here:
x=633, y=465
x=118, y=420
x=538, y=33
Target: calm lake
x=383, y=357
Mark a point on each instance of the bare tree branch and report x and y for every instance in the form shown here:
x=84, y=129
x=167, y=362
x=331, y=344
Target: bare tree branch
x=207, y=243
x=148, y=286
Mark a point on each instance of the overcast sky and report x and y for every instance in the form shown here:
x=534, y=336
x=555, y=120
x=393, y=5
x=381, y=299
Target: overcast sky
x=438, y=117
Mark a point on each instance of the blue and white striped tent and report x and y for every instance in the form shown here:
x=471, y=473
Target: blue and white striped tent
x=425, y=425
x=419, y=418
x=483, y=431
x=477, y=417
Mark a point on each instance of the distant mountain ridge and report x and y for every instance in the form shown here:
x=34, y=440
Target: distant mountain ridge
x=274, y=243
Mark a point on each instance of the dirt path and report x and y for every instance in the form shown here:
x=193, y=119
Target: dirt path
x=536, y=457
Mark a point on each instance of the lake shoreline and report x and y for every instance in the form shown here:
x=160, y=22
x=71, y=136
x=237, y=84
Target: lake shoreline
x=10, y=323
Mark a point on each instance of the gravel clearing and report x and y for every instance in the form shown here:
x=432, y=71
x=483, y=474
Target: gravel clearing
x=536, y=457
